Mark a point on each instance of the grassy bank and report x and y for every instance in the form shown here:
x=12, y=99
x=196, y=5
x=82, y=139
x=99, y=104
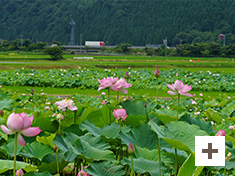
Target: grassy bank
x=92, y=92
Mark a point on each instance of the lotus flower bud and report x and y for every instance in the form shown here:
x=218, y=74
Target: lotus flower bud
x=32, y=91
x=1, y=113
x=220, y=133
x=127, y=76
x=19, y=172
x=60, y=117
x=157, y=73
x=228, y=156
x=131, y=149
x=55, y=148
x=145, y=104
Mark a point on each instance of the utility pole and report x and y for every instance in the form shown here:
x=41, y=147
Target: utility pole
x=72, y=39
x=224, y=41
x=21, y=39
x=80, y=43
x=165, y=43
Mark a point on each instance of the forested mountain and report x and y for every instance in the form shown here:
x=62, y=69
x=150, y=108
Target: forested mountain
x=138, y=22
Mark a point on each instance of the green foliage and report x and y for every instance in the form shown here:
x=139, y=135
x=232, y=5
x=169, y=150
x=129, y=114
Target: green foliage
x=141, y=79
x=123, y=48
x=55, y=52
x=136, y=22
x=106, y=168
x=101, y=147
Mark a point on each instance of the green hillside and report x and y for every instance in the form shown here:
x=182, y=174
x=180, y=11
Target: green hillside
x=138, y=22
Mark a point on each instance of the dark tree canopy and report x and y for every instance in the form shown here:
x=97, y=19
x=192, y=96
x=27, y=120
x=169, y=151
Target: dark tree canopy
x=55, y=52
x=138, y=22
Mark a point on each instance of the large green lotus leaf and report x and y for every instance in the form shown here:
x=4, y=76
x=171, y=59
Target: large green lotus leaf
x=85, y=113
x=5, y=103
x=65, y=142
x=157, y=129
x=105, y=168
x=133, y=120
x=100, y=118
x=165, y=115
x=213, y=115
x=36, y=150
x=93, y=148
x=61, y=143
x=30, y=168
x=52, y=167
x=99, y=143
x=152, y=155
x=3, y=135
x=188, y=167
x=137, y=107
x=6, y=165
x=52, y=157
x=141, y=135
x=181, y=155
x=46, y=140
x=229, y=165
x=198, y=170
x=86, y=125
x=181, y=135
x=46, y=124
x=231, y=104
x=68, y=156
x=74, y=129
x=141, y=165
x=9, y=147
x=206, y=126
x=109, y=131
x=210, y=104
x=177, y=144
x=226, y=111
x=2, y=121
x=38, y=174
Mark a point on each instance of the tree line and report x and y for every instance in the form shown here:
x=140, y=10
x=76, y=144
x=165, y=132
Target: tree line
x=119, y=21
x=192, y=50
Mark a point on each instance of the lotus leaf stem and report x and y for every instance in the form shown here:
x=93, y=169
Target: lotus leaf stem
x=132, y=170
x=176, y=162
x=57, y=163
x=159, y=154
x=15, y=149
x=157, y=89
x=117, y=97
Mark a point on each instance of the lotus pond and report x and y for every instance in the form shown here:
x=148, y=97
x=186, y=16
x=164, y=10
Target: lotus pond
x=155, y=137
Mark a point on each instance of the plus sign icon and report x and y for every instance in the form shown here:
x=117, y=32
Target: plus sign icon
x=209, y=150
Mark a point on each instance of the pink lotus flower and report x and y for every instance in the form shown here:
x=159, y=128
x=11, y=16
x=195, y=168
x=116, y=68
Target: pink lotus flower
x=220, y=133
x=131, y=149
x=83, y=173
x=19, y=172
x=20, y=124
x=157, y=73
x=66, y=104
x=120, y=114
x=104, y=102
x=179, y=88
x=127, y=76
x=121, y=85
x=108, y=82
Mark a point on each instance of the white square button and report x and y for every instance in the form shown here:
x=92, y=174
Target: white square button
x=209, y=150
